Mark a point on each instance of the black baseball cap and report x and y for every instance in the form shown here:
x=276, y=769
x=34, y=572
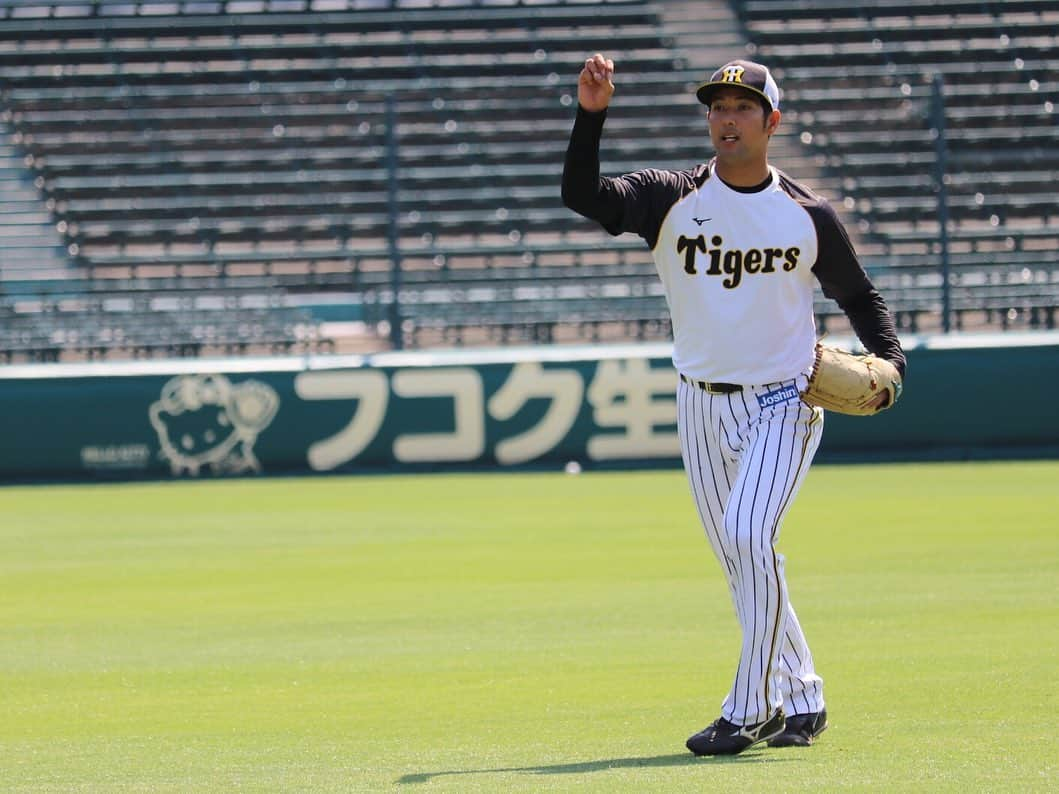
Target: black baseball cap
x=741, y=74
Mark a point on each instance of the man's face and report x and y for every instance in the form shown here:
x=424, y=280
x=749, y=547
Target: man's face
x=740, y=126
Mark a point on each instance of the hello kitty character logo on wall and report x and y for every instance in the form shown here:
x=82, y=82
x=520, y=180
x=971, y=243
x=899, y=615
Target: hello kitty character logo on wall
x=207, y=421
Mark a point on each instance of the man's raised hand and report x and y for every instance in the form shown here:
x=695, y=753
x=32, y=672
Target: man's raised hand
x=594, y=86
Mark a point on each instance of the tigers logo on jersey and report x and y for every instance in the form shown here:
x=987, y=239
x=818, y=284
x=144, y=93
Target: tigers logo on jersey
x=734, y=262
x=733, y=74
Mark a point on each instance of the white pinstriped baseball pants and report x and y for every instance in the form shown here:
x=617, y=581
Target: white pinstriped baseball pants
x=745, y=459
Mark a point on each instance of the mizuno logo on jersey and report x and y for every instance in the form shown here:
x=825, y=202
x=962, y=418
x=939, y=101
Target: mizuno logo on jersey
x=734, y=262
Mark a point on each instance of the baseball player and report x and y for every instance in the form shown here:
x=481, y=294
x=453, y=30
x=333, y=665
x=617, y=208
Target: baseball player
x=738, y=244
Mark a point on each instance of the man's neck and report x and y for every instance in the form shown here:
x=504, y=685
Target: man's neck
x=749, y=175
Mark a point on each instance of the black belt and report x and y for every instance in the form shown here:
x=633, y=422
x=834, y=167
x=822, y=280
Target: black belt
x=712, y=388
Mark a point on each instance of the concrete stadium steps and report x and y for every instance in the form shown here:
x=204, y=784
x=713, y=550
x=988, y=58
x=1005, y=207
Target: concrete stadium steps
x=29, y=241
x=709, y=34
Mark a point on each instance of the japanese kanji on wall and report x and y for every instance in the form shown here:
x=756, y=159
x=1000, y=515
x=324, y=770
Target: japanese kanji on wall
x=433, y=411
x=616, y=409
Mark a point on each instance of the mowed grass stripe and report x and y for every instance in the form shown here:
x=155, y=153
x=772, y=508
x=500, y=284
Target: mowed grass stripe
x=517, y=632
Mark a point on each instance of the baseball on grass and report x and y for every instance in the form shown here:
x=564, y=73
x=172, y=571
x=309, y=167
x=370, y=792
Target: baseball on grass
x=572, y=467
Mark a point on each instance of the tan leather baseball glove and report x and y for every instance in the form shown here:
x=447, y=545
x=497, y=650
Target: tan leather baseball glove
x=850, y=384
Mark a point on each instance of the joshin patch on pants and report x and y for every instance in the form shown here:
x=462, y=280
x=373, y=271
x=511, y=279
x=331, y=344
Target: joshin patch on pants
x=778, y=395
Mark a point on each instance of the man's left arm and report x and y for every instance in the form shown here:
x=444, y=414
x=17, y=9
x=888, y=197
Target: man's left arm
x=843, y=280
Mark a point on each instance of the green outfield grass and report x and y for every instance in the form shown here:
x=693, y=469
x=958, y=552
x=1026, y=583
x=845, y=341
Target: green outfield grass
x=517, y=632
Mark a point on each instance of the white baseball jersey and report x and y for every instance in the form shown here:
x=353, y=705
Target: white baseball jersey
x=748, y=257
x=738, y=264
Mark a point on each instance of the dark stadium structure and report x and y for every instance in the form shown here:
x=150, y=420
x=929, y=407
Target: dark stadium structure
x=216, y=177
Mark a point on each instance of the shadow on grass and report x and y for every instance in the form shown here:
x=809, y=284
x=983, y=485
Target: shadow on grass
x=676, y=759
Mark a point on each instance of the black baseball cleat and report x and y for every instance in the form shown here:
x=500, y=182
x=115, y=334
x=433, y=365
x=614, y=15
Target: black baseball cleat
x=727, y=738
x=801, y=729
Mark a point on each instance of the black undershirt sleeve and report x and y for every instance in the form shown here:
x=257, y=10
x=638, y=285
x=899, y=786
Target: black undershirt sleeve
x=843, y=280
x=635, y=202
x=582, y=191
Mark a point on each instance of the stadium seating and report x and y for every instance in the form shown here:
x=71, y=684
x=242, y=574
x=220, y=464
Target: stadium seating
x=230, y=152
x=199, y=144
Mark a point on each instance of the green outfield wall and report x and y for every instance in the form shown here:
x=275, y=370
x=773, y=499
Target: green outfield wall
x=599, y=406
